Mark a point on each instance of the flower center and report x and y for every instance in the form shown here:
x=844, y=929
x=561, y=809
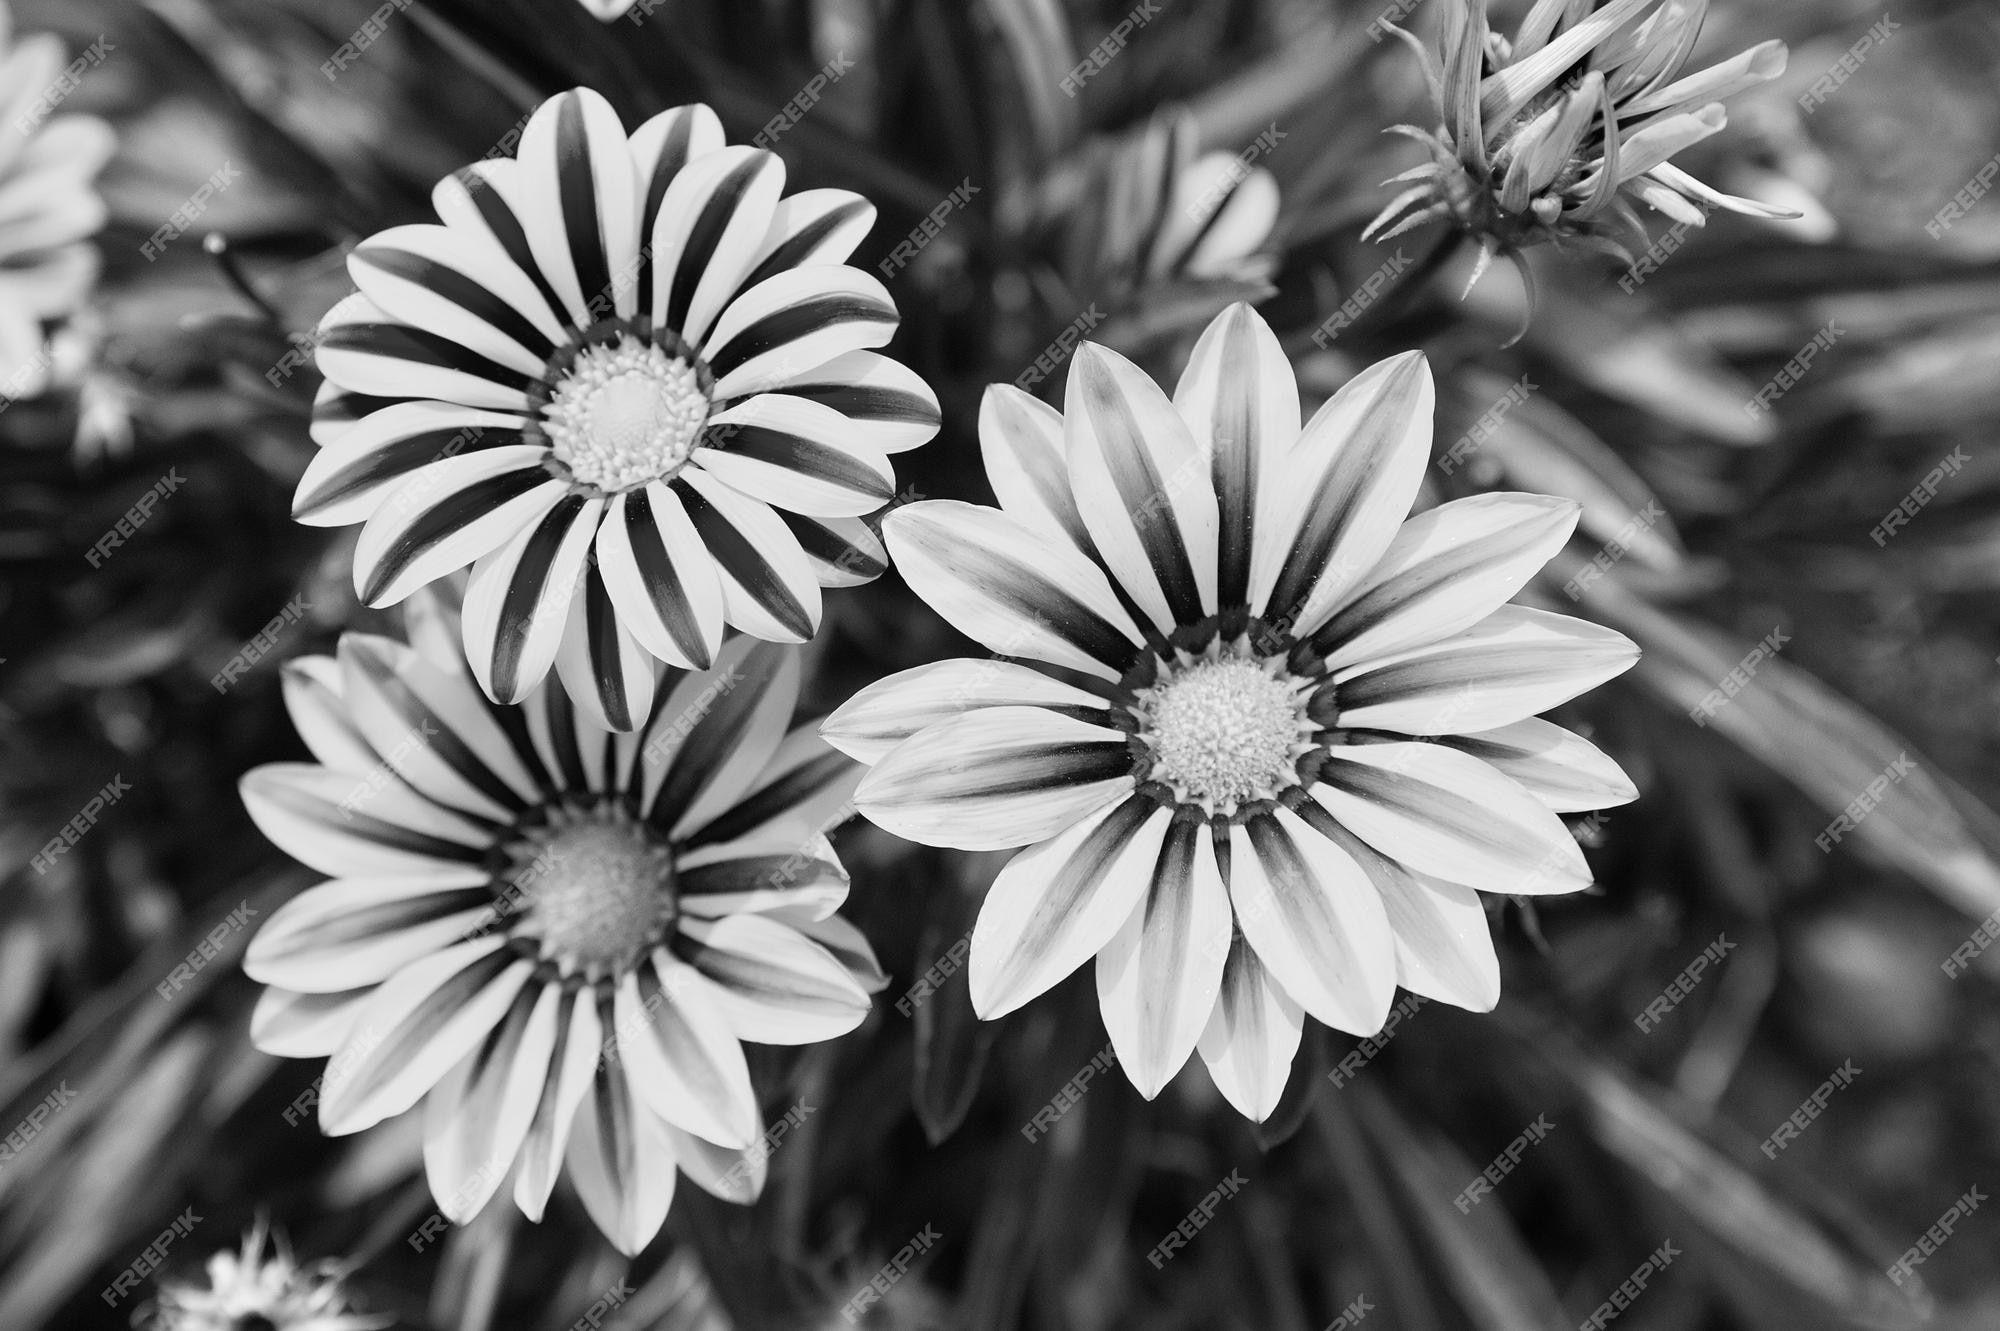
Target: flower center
x=596, y=888
x=1225, y=728
x=625, y=413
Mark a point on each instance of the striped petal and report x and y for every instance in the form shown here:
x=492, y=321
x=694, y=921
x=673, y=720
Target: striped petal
x=365, y=351
x=660, y=148
x=812, y=227
x=311, y=686
x=890, y=710
x=1512, y=664
x=580, y=1047
x=1021, y=440
x=1252, y=1037
x=995, y=778
x=353, y=932
x=622, y=1161
x=733, y=1175
x=1142, y=486
x=787, y=326
x=1347, y=485
x=604, y=669
x=772, y=983
x=715, y=733
x=1446, y=570
x=330, y=821
x=842, y=552
x=804, y=791
x=414, y=1028
x=519, y=596
x=707, y=235
x=579, y=206
x=1057, y=904
x=1562, y=770
x=661, y=577
x=802, y=879
x=451, y=513
x=768, y=588
x=348, y=478
x=1007, y=588
x=478, y=1116
x=459, y=285
x=485, y=203
x=675, y=1042
x=1444, y=813
x=797, y=455
x=1241, y=404
x=1315, y=919
x=898, y=408
x=1158, y=977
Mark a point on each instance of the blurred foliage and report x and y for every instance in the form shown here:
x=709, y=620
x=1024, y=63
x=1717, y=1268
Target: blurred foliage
x=1888, y=651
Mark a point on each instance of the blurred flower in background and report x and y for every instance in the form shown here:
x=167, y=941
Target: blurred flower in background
x=257, y=1290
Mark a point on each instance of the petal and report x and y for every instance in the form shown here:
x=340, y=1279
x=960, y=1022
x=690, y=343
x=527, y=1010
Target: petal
x=1315, y=919
x=458, y=285
x=661, y=577
x=708, y=234
x=660, y=148
x=293, y=1025
x=1562, y=770
x=622, y=1162
x=414, y=1028
x=349, y=477
x=478, y=1116
x=1217, y=215
x=812, y=227
x=518, y=599
x=1241, y=404
x=311, y=686
x=449, y=514
x=1142, y=487
x=353, y=932
x=1021, y=439
x=1057, y=904
x=1346, y=487
x=787, y=326
x=1512, y=664
x=890, y=710
x=315, y=815
x=733, y=1175
x=605, y=671
x=579, y=205
x=842, y=552
x=1252, y=1036
x=768, y=587
x=732, y=878
x=898, y=408
x=1447, y=569
x=1446, y=814
x=798, y=455
x=675, y=1042
x=363, y=350
x=995, y=778
x=715, y=733
x=572, y=1068
x=804, y=791
x=1158, y=977
x=483, y=205
x=772, y=983
x=1008, y=588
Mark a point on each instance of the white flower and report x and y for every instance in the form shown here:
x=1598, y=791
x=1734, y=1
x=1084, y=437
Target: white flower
x=1272, y=737
x=628, y=382
x=255, y=1290
x=554, y=935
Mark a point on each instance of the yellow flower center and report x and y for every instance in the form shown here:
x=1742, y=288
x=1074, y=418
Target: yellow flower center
x=625, y=414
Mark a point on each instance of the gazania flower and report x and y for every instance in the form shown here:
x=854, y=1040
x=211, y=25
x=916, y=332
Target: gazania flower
x=48, y=207
x=553, y=935
x=1270, y=740
x=262, y=1290
x=628, y=381
x=1555, y=134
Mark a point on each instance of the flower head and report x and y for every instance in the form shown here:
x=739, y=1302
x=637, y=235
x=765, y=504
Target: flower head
x=554, y=935
x=48, y=162
x=628, y=381
x=255, y=1289
x=1556, y=133
x=1269, y=737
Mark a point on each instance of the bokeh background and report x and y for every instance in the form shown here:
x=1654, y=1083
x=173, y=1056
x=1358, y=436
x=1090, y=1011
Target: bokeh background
x=1829, y=966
